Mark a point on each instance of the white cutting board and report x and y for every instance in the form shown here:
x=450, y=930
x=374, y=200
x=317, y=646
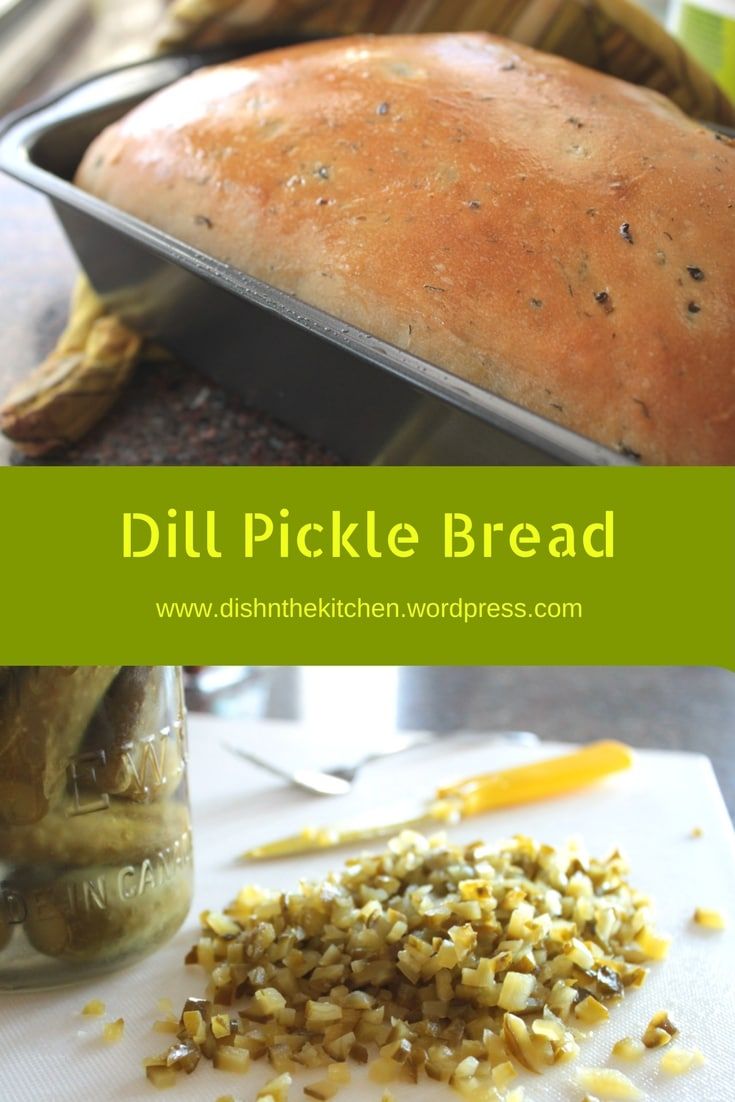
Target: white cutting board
x=48, y=1051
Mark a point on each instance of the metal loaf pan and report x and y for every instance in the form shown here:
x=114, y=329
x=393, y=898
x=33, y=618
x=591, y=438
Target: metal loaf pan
x=369, y=401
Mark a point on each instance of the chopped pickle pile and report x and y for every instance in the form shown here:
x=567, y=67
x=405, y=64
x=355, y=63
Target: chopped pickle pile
x=456, y=963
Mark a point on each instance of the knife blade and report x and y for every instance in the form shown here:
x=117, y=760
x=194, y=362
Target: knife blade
x=451, y=803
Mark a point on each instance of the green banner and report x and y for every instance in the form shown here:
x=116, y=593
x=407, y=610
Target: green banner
x=368, y=565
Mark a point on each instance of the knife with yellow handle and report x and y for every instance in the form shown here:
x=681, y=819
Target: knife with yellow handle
x=522, y=784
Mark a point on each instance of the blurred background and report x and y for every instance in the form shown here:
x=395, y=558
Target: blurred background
x=45, y=42
x=667, y=707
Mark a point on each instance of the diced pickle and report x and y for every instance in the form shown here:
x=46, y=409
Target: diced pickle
x=678, y=1061
x=322, y=1091
x=628, y=1049
x=659, y=1030
x=160, y=1076
x=229, y=1058
x=184, y=1056
x=112, y=1031
x=607, y=1083
x=712, y=920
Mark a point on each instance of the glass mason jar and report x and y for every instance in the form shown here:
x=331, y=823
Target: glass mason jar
x=95, y=838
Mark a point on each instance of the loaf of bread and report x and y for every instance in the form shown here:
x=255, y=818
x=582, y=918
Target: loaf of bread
x=556, y=236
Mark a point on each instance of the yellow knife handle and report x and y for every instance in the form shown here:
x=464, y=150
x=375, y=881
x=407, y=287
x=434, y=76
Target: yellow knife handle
x=551, y=777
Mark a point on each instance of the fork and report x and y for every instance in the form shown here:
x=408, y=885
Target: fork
x=339, y=779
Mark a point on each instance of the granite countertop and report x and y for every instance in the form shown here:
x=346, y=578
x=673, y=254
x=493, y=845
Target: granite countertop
x=169, y=414
x=676, y=708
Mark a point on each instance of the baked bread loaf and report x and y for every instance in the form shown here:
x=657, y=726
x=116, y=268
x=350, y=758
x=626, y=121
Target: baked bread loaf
x=554, y=235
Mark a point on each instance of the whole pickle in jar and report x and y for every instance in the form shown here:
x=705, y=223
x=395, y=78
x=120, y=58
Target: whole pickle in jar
x=11, y=908
x=6, y=932
x=44, y=712
x=108, y=912
x=136, y=750
x=116, y=831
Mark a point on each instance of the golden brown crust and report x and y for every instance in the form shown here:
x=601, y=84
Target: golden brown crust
x=556, y=236
x=614, y=36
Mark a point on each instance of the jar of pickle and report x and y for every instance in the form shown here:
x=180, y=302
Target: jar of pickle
x=95, y=838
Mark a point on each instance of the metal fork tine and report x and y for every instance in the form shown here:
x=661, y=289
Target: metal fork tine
x=337, y=781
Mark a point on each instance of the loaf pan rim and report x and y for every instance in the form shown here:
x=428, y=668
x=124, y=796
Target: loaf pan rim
x=21, y=131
